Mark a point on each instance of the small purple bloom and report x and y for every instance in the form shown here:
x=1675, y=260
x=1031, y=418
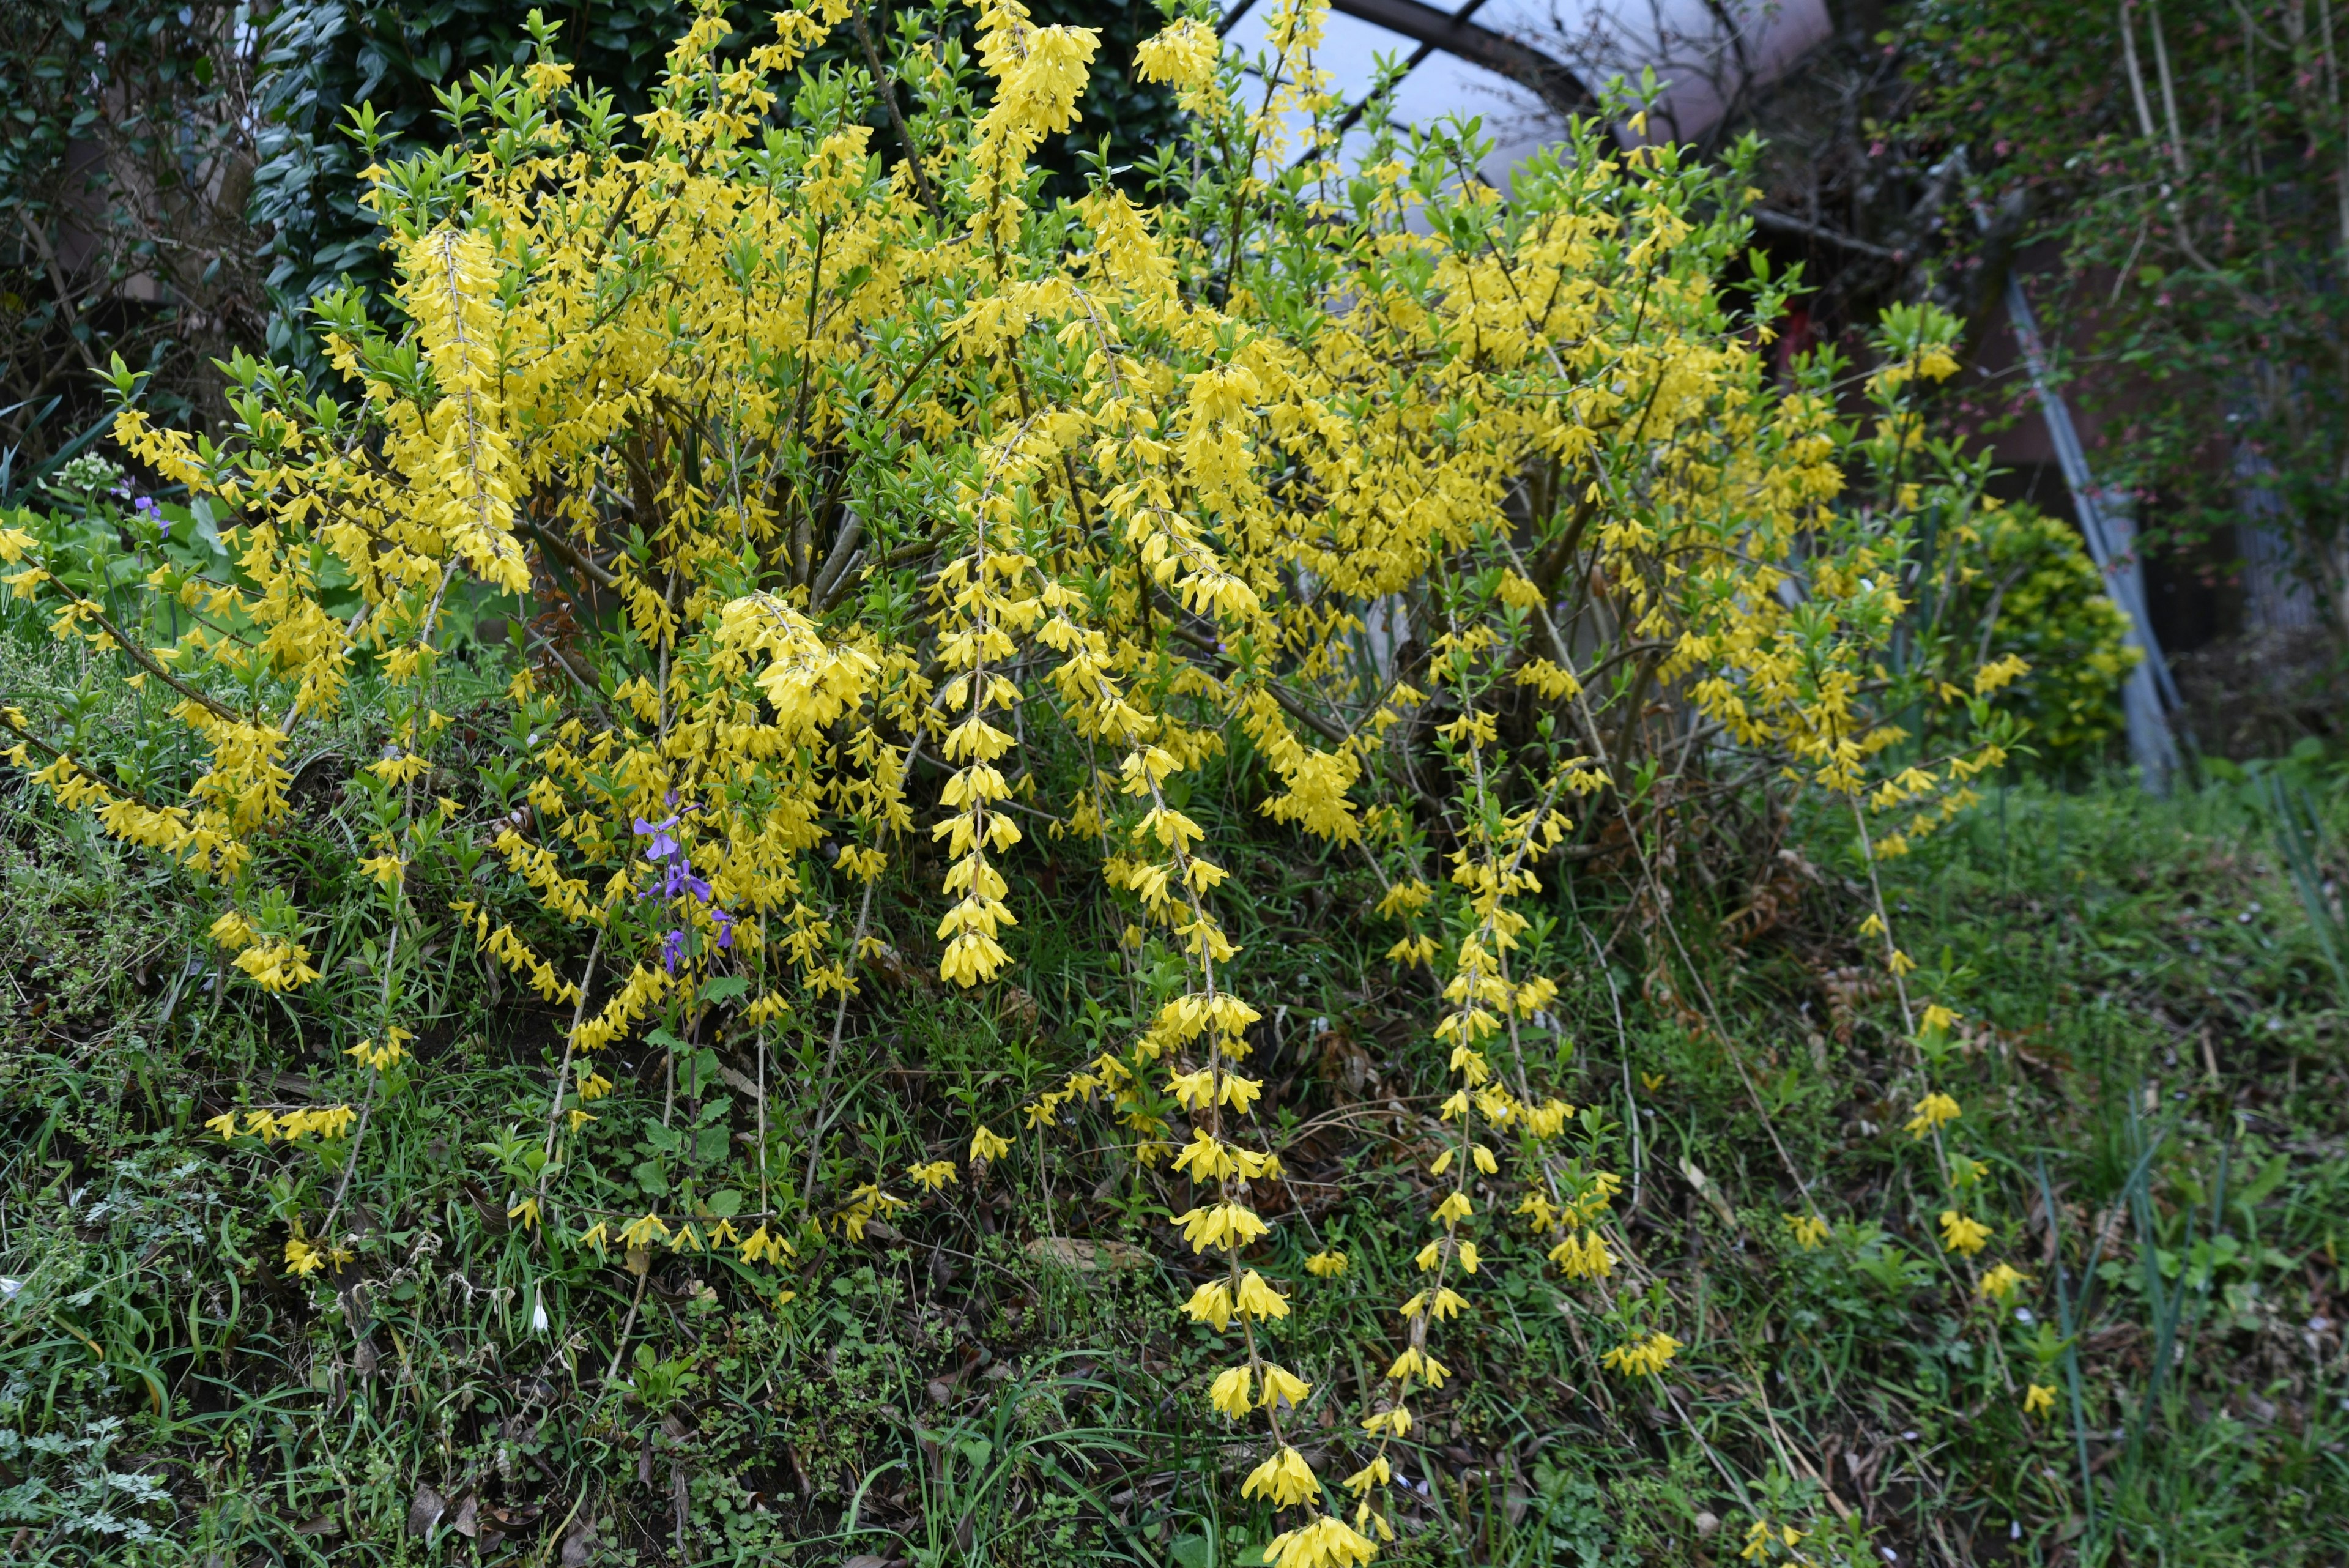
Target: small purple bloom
x=662, y=847
x=679, y=880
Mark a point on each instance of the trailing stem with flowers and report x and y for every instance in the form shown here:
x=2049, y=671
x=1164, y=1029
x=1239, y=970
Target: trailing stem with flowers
x=856, y=504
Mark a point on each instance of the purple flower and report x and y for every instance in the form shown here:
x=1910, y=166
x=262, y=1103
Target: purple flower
x=679, y=880
x=663, y=847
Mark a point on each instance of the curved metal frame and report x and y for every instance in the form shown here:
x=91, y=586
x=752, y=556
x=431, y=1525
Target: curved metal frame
x=1454, y=34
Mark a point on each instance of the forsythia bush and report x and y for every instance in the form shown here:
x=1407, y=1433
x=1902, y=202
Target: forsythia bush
x=875, y=478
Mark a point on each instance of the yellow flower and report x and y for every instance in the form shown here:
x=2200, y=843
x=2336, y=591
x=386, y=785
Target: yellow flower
x=1258, y=1300
x=2039, y=1399
x=1962, y=1233
x=1454, y=1209
x=2002, y=1282
x=864, y=1204
x=1378, y=1472
x=1285, y=1478
x=1416, y=1363
x=332, y=1121
x=985, y=1145
x=1762, y=1537
x=1548, y=1119
x=1639, y=1358
x=1585, y=1258
x=1211, y=1304
x=367, y=1053
x=1999, y=672
x=1413, y=950
x=1394, y=1423
x=527, y=1211
x=1183, y=55
x=1224, y=1226
x=1326, y=1265
x=1282, y=1387
x=1934, y=1112
x=1229, y=1392
x=1193, y=1091
x=1205, y=1159
x=1447, y=1303
x=1810, y=1231
x=759, y=1246
x=1327, y=1542
x=223, y=1124
x=933, y=1176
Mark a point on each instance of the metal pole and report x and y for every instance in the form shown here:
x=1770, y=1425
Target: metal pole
x=2149, y=693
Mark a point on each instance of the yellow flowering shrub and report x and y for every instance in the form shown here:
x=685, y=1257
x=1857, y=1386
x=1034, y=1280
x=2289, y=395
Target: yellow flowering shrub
x=884, y=482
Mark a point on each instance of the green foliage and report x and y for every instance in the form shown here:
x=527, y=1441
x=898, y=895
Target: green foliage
x=122, y=186
x=2187, y=160
x=324, y=58
x=2037, y=596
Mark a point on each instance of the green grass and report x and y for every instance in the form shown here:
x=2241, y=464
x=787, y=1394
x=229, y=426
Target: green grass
x=2150, y=1066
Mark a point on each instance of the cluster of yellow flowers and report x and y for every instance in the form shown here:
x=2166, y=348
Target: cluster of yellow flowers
x=696, y=1234
x=305, y=1257
x=864, y=467
x=328, y=1122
